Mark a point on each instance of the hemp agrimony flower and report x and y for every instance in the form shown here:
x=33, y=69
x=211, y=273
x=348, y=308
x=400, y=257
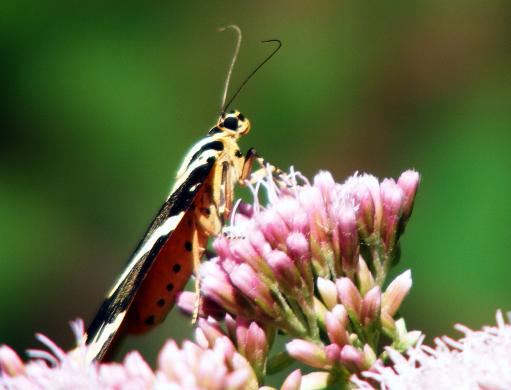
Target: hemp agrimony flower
x=479, y=360
x=312, y=264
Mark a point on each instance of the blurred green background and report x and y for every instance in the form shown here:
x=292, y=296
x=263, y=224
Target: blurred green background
x=100, y=102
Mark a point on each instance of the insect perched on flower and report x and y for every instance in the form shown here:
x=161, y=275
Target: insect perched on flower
x=196, y=208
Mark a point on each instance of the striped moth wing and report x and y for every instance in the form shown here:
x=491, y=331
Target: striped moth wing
x=164, y=260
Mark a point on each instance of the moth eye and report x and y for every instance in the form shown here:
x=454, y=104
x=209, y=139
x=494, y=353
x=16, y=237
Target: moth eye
x=231, y=123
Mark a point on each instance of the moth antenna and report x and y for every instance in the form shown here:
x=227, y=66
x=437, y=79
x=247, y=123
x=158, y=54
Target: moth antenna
x=233, y=61
x=226, y=106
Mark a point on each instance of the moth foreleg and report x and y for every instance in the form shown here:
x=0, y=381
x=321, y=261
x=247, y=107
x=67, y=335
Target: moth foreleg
x=209, y=221
x=264, y=167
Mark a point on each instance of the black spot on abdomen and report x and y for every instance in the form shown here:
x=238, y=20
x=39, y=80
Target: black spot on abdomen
x=176, y=268
x=188, y=246
x=149, y=320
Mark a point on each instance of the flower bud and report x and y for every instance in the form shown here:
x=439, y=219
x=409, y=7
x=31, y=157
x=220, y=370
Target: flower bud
x=409, y=182
x=293, y=381
x=10, y=362
x=317, y=380
x=312, y=201
x=326, y=184
x=392, y=203
x=298, y=245
x=216, y=285
x=307, y=352
x=253, y=344
x=350, y=298
x=285, y=271
x=348, y=237
x=352, y=358
x=396, y=292
x=327, y=291
x=221, y=246
x=298, y=249
x=273, y=227
x=371, y=306
x=332, y=353
x=246, y=280
x=364, y=276
x=209, y=330
x=336, y=322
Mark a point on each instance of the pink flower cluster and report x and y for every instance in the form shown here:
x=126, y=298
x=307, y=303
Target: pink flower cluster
x=211, y=365
x=479, y=360
x=312, y=264
x=307, y=231
x=351, y=322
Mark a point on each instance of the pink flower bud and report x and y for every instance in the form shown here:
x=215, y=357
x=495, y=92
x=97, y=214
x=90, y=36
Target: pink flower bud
x=293, y=381
x=298, y=249
x=285, y=271
x=326, y=184
x=392, y=202
x=396, y=292
x=10, y=362
x=210, y=329
x=365, y=210
x=350, y=298
x=292, y=213
x=328, y=292
x=244, y=252
x=317, y=380
x=298, y=245
x=371, y=306
x=409, y=182
x=273, y=226
x=348, y=237
x=365, y=192
x=246, y=280
x=221, y=246
x=253, y=344
x=332, y=352
x=364, y=276
x=137, y=367
x=258, y=242
x=352, y=358
x=336, y=322
x=307, y=352
x=312, y=202
x=246, y=209
x=215, y=284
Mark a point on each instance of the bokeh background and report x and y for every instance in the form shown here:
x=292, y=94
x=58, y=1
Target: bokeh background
x=100, y=102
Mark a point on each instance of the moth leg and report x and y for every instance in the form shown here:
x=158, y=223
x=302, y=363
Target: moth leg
x=209, y=221
x=196, y=254
x=250, y=157
x=226, y=208
x=254, y=176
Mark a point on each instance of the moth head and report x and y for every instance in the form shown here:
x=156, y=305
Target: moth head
x=232, y=123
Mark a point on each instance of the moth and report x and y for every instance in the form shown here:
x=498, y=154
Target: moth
x=199, y=202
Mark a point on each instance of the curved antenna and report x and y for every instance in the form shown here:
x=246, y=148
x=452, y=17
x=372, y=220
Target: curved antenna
x=234, y=57
x=225, y=106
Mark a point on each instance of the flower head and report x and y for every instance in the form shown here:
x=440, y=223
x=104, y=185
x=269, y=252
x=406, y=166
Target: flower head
x=312, y=263
x=479, y=360
x=211, y=366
